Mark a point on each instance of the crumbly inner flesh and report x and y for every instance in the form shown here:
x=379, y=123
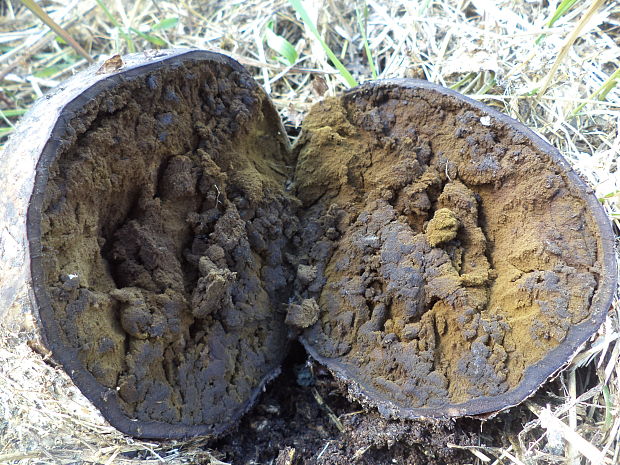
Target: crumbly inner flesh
x=446, y=256
x=164, y=229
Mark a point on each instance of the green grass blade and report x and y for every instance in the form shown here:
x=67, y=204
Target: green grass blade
x=423, y=7
x=608, y=85
x=130, y=45
x=14, y=112
x=488, y=85
x=48, y=71
x=305, y=17
x=280, y=45
x=601, y=92
x=167, y=23
x=608, y=196
x=362, y=21
x=4, y=115
x=560, y=11
x=43, y=16
x=151, y=38
x=609, y=407
x=464, y=80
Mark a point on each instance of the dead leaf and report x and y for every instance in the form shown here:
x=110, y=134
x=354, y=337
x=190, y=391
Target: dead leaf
x=294, y=116
x=111, y=64
x=319, y=85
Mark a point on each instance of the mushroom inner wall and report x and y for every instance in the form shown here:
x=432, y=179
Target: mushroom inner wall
x=424, y=252
x=164, y=228
x=447, y=253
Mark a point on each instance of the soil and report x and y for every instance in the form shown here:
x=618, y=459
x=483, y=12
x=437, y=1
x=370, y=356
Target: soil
x=164, y=230
x=426, y=256
x=291, y=425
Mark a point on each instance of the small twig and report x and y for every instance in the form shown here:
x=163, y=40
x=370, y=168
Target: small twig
x=323, y=450
x=330, y=413
x=217, y=198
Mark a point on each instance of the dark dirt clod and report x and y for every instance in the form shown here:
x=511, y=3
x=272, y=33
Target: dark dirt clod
x=289, y=418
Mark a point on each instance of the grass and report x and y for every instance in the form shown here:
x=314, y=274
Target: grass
x=601, y=93
x=561, y=10
x=49, y=22
x=308, y=22
x=565, y=88
x=362, y=21
x=280, y=45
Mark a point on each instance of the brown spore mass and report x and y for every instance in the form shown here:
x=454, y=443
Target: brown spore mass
x=164, y=226
x=449, y=255
x=425, y=257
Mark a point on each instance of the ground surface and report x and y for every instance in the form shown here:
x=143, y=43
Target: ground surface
x=487, y=50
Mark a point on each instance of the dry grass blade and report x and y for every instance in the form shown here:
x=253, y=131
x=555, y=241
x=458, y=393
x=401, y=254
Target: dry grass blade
x=477, y=451
x=43, y=16
x=585, y=19
x=330, y=413
x=130, y=45
x=474, y=450
x=571, y=453
x=562, y=8
x=21, y=55
x=551, y=423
